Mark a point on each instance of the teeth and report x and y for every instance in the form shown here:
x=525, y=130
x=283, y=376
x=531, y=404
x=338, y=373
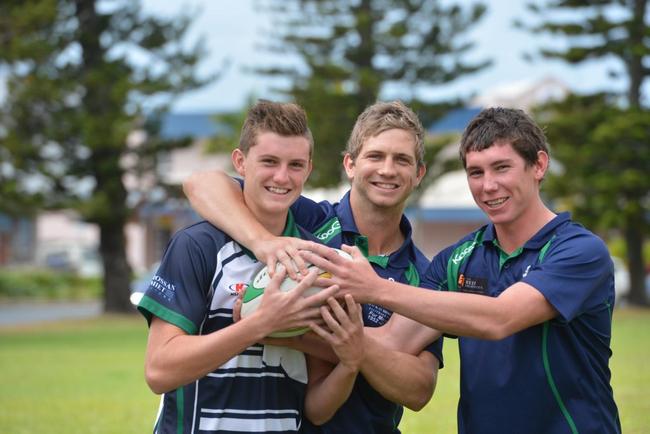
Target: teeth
x=496, y=202
x=384, y=185
x=278, y=190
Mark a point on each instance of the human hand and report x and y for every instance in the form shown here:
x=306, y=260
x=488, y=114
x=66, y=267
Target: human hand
x=280, y=310
x=345, y=334
x=283, y=250
x=354, y=276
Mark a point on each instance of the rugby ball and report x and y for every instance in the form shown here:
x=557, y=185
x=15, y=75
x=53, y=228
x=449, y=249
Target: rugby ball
x=253, y=295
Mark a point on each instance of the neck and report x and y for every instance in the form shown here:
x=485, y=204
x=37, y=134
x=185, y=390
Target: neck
x=274, y=223
x=513, y=235
x=379, y=225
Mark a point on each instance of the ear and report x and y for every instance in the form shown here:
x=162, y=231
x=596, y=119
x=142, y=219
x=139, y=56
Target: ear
x=348, y=165
x=238, y=160
x=422, y=170
x=541, y=165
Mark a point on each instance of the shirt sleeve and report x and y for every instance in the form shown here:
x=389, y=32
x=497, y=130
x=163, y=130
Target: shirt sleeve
x=575, y=276
x=309, y=214
x=435, y=276
x=179, y=290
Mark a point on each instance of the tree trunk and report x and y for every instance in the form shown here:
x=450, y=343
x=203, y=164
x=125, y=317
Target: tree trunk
x=117, y=272
x=634, y=236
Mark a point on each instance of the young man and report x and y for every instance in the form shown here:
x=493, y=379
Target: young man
x=530, y=295
x=384, y=162
x=213, y=375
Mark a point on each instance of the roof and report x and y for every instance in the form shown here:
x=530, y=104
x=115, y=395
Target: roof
x=194, y=125
x=455, y=121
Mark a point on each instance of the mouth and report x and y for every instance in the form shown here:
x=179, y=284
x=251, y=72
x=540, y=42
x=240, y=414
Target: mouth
x=385, y=185
x=495, y=203
x=278, y=190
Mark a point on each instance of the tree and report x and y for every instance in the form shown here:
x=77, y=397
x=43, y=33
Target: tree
x=80, y=74
x=349, y=53
x=610, y=169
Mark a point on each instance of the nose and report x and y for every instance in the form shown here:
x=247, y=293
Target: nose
x=490, y=183
x=281, y=175
x=387, y=167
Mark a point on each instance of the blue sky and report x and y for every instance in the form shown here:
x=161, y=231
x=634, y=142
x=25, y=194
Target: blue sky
x=232, y=29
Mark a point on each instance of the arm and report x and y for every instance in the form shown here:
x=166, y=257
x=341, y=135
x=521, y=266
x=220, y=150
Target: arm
x=403, y=334
x=174, y=358
x=327, y=392
x=518, y=307
x=402, y=378
x=218, y=198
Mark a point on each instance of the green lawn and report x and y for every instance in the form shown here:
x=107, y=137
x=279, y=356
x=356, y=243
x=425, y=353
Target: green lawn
x=86, y=377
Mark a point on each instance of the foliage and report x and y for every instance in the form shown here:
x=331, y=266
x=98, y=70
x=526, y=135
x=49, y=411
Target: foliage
x=81, y=77
x=602, y=141
x=94, y=379
x=46, y=284
x=349, y=53
x=598, y=29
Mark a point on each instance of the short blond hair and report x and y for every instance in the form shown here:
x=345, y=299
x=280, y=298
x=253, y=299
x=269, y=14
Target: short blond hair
x=383, y=116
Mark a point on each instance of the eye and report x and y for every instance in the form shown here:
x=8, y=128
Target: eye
x=298, y=165
x=473, y=173
x=373, y=157
x=268, y=162
x=502, y=167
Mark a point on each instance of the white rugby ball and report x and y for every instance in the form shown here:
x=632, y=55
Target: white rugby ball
x=253, y=295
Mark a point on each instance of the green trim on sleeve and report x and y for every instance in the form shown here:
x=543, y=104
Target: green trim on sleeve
x=148, y=306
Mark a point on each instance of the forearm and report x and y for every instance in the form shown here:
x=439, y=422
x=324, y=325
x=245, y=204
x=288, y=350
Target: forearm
x=218, y=198
x=400, y=377
x=175, y=359
x=309, y=343
x=403, y=334
x=518, y=307
x=326, y=396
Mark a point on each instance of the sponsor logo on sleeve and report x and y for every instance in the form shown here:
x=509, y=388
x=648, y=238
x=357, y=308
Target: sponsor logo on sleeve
x=165, y=289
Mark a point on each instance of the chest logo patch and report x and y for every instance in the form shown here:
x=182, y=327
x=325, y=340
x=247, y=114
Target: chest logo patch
x=236, y=288
x=473, y=285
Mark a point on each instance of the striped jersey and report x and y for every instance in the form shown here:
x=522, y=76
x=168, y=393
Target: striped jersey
x=260, y=390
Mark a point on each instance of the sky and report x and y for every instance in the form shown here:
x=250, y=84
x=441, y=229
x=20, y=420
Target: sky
x=233, y=29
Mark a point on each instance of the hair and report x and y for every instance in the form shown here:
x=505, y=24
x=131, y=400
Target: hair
x=383, y=116
x=284, y=119
x=504, y=125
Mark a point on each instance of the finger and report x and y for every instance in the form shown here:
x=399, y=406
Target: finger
x=341, y=315
x=320, y=297
x=352, y=250
x=321, y=262
x=321, y=332
x=331, y=322
x=276, y=280
x=324, y=282
x=305, y=283
x=271, y=263
x=297, y=261
x=236, y=310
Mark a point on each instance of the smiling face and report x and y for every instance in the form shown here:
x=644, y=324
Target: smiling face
x=275, y=170
x=503, y=186
x=385, y=172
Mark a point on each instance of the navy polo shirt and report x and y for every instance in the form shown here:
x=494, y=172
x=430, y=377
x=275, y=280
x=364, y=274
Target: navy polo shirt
x=552, y=377
x=365, y=411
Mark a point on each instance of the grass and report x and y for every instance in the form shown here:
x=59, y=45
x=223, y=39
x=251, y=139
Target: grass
x=87, y=377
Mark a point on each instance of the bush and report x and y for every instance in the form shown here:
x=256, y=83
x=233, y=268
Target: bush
x=37, y=283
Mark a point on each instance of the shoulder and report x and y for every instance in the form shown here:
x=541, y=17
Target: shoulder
x=203, y=232
x=573, y=241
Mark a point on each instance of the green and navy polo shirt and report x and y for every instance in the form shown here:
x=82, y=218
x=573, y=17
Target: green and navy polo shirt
x=552, y=377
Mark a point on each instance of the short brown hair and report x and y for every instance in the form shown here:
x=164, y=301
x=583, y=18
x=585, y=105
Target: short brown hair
x=284, y=119
x=499, y=124
x=383, y=116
